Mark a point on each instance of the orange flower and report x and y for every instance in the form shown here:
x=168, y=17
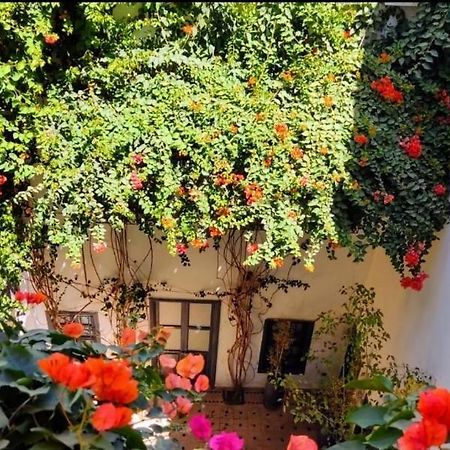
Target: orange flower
x=223, y=211
x=423, y=435
x=253, y=193
x=181, y=190
x=99, y=247
x=268, y=162
x=297, y=153
x=234, y=128
x=251, y=82
x=287, y=75
x=163, y=336
x=108, y=416
x=384, y=58
x=281, y=130
x=73, y=329
x=324, y=150
x=214, y=232
x=331, y=77
x=167, y=362
x=260, y=117
x=188, y=29
x=328, y=101
x=51, y=39
x=128, y=337
x=184, y=405
x=200, y=243
x=301, y=443
x=309, y=267
x=278, y=262
x=201, y=383
x=113, y=381
x=195, y=106
x=191, y=365
x=347, y=34
x=53, y=365
x=174, y=381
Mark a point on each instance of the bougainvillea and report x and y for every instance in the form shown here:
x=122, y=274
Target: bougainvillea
x=172, y=117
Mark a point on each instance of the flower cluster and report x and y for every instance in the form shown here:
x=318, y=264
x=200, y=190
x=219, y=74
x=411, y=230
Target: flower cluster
x=30, y=298
x=180, y=375
x=415, y=282
x=412, y=256
x=3, y=180
x=136, y=182
x=253, y=192
x=433, y=428
x=412, y=146
x=385, y=87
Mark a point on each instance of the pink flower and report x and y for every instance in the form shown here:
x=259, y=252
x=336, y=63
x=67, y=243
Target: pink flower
x=99, y=247
x=169, y=409
x=181, y=248
x=136, y=182
x=226, y=441
x=301, y=442
x=184, y=405
x=3, y=180
x=138, y=159
x=200, y=426
x=167, y=362
x=201, y=383
x=174, y=381
x=388, y=198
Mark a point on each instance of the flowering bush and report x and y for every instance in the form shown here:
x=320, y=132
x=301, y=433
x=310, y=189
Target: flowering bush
x=58, y=392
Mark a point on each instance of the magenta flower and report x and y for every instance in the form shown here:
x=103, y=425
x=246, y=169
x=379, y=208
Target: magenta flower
x=201, y=427
x=226, y=441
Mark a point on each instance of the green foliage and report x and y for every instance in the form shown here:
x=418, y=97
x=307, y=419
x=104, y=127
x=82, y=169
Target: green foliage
x=204, y=93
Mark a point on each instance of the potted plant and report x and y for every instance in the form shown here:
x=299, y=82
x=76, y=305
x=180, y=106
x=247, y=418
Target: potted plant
x=274, y=390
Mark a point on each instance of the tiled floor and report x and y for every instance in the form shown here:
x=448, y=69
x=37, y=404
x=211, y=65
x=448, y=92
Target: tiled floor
x=260, y=428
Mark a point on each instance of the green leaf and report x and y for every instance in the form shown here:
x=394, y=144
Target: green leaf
x=376, y=383
x=348, y=445
x=384, y=438
x=133, y=438
x=47, y=446
x=367, y=416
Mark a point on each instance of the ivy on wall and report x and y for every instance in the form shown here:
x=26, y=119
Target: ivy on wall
x=316, y=123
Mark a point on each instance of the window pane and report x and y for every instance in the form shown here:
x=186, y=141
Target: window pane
x=174, y=341
x=198, y=340
x=169, y=313
x=200, y=314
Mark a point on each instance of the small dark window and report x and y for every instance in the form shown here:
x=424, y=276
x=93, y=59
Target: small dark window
x=294, y=357
x=88, y=319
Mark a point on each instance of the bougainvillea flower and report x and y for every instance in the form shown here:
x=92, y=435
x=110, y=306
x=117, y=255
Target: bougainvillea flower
x=184, y=405
x=201, y=383
x=434, y=405
x=301, y=442
x=226, y=441
x=214, y=232
x=73, y=329
x=53, y=365
x=174, y=381
x=423, y=435
x=412, y=257
x=113, y=381
x=107, y=417
x=51, y=39
x=136, y=182
x=128, y=337
x=253, y=193
x=281, y=130
x=385, y=87
x=252, y=248
x=3, y=180
x=297, y=153
x=99, y=247
x=76, y=375
x=388, y=198
x=169, y=409
x=31, y=298
x=361, y=139
x=167, y=362
x=412, y=146
x=415, y=283
x=190, y=366
x=201, y=427
x=439, y=189
x=181, y=248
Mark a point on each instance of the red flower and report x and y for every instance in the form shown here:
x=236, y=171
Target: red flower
x=252, y=248
x=423, y=435
x=412, y=257
x=31, y=298
x=3, y=180
x=388, y=198
x=253, y=193
x=136, y=182
x=434, y=405
x=113, y=381
x=53, y=365
x=281, y=130
x=387, y=90
x=415, y=283
x=412, y=146
x=439, y=189
x=73, y=329
x=361, y=139
x=51, y=39
x=181, y=248
x=108, y=416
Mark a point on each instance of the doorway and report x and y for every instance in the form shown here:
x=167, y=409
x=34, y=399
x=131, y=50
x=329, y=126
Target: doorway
x=194, y=327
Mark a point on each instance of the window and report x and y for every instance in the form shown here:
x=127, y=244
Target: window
x=294, y=358
x=88, y=319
